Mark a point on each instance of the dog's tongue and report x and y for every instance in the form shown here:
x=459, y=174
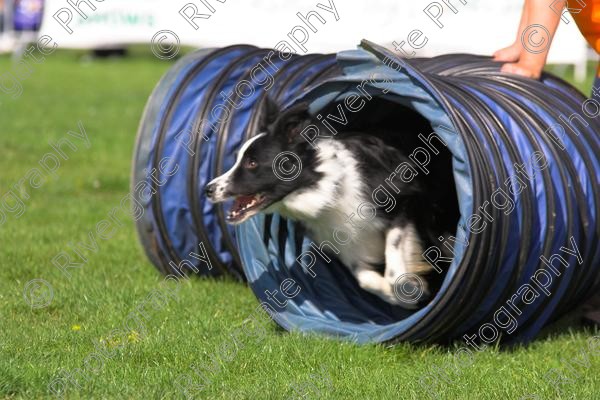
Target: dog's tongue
x=241, y=202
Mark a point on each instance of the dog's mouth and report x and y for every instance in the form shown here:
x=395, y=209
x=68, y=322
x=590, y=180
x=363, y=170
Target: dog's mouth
x=245, y=206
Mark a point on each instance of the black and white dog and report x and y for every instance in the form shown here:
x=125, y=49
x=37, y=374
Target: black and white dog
x=333, y=180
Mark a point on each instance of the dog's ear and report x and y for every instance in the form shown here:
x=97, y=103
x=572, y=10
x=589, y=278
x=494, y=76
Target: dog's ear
x=294, y=120
x=270, y=113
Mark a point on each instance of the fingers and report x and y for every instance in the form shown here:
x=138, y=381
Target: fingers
x=508, y=54
x=517, y=69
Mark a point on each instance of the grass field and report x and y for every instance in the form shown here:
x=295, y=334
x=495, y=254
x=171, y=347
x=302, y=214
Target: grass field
x=187, y=334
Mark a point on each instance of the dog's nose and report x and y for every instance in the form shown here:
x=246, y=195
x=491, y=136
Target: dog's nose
x=210, y=190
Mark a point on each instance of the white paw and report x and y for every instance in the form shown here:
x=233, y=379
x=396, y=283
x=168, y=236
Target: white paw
x=408, y=290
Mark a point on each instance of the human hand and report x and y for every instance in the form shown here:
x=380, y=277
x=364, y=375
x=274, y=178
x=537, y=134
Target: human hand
x=527, y=70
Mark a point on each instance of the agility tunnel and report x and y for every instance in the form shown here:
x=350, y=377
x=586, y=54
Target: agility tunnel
x=515, y=162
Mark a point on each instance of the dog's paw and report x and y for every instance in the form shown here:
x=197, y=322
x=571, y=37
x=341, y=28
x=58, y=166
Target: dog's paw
x=418, y=266
x=410, y=291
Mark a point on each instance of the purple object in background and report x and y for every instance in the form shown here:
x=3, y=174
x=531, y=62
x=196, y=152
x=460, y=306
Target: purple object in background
x=28, y=15
x=2, y=7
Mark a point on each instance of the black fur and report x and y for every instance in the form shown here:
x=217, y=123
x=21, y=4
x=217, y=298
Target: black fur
x=281, y=132
x=376, y=161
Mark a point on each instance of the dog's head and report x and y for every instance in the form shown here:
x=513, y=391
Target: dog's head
x=269, y=166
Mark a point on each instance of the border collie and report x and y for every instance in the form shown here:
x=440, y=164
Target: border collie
x=335, y=178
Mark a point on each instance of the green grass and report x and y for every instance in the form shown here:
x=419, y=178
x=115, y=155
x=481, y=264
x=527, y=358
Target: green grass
x=567, y=72
x=188, y=332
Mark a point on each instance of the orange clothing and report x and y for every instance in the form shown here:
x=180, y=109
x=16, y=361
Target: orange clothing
x=587, y=19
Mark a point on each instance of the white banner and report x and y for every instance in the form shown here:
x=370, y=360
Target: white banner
x=322, y=25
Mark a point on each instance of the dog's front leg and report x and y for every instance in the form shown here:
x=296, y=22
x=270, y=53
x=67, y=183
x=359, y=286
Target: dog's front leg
x=404, y=263
x=374, y=282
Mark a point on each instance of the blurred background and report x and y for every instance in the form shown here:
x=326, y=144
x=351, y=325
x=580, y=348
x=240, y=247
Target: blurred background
x=476, y=27
x=66, y=71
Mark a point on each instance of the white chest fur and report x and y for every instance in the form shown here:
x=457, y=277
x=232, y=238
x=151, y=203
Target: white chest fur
x=334, y=210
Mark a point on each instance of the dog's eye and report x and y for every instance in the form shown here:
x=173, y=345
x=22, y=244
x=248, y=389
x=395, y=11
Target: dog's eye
x=250, y=163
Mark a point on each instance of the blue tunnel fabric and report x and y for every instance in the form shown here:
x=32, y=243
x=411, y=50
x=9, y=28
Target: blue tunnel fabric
x=495, y=127
x=186, y=120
